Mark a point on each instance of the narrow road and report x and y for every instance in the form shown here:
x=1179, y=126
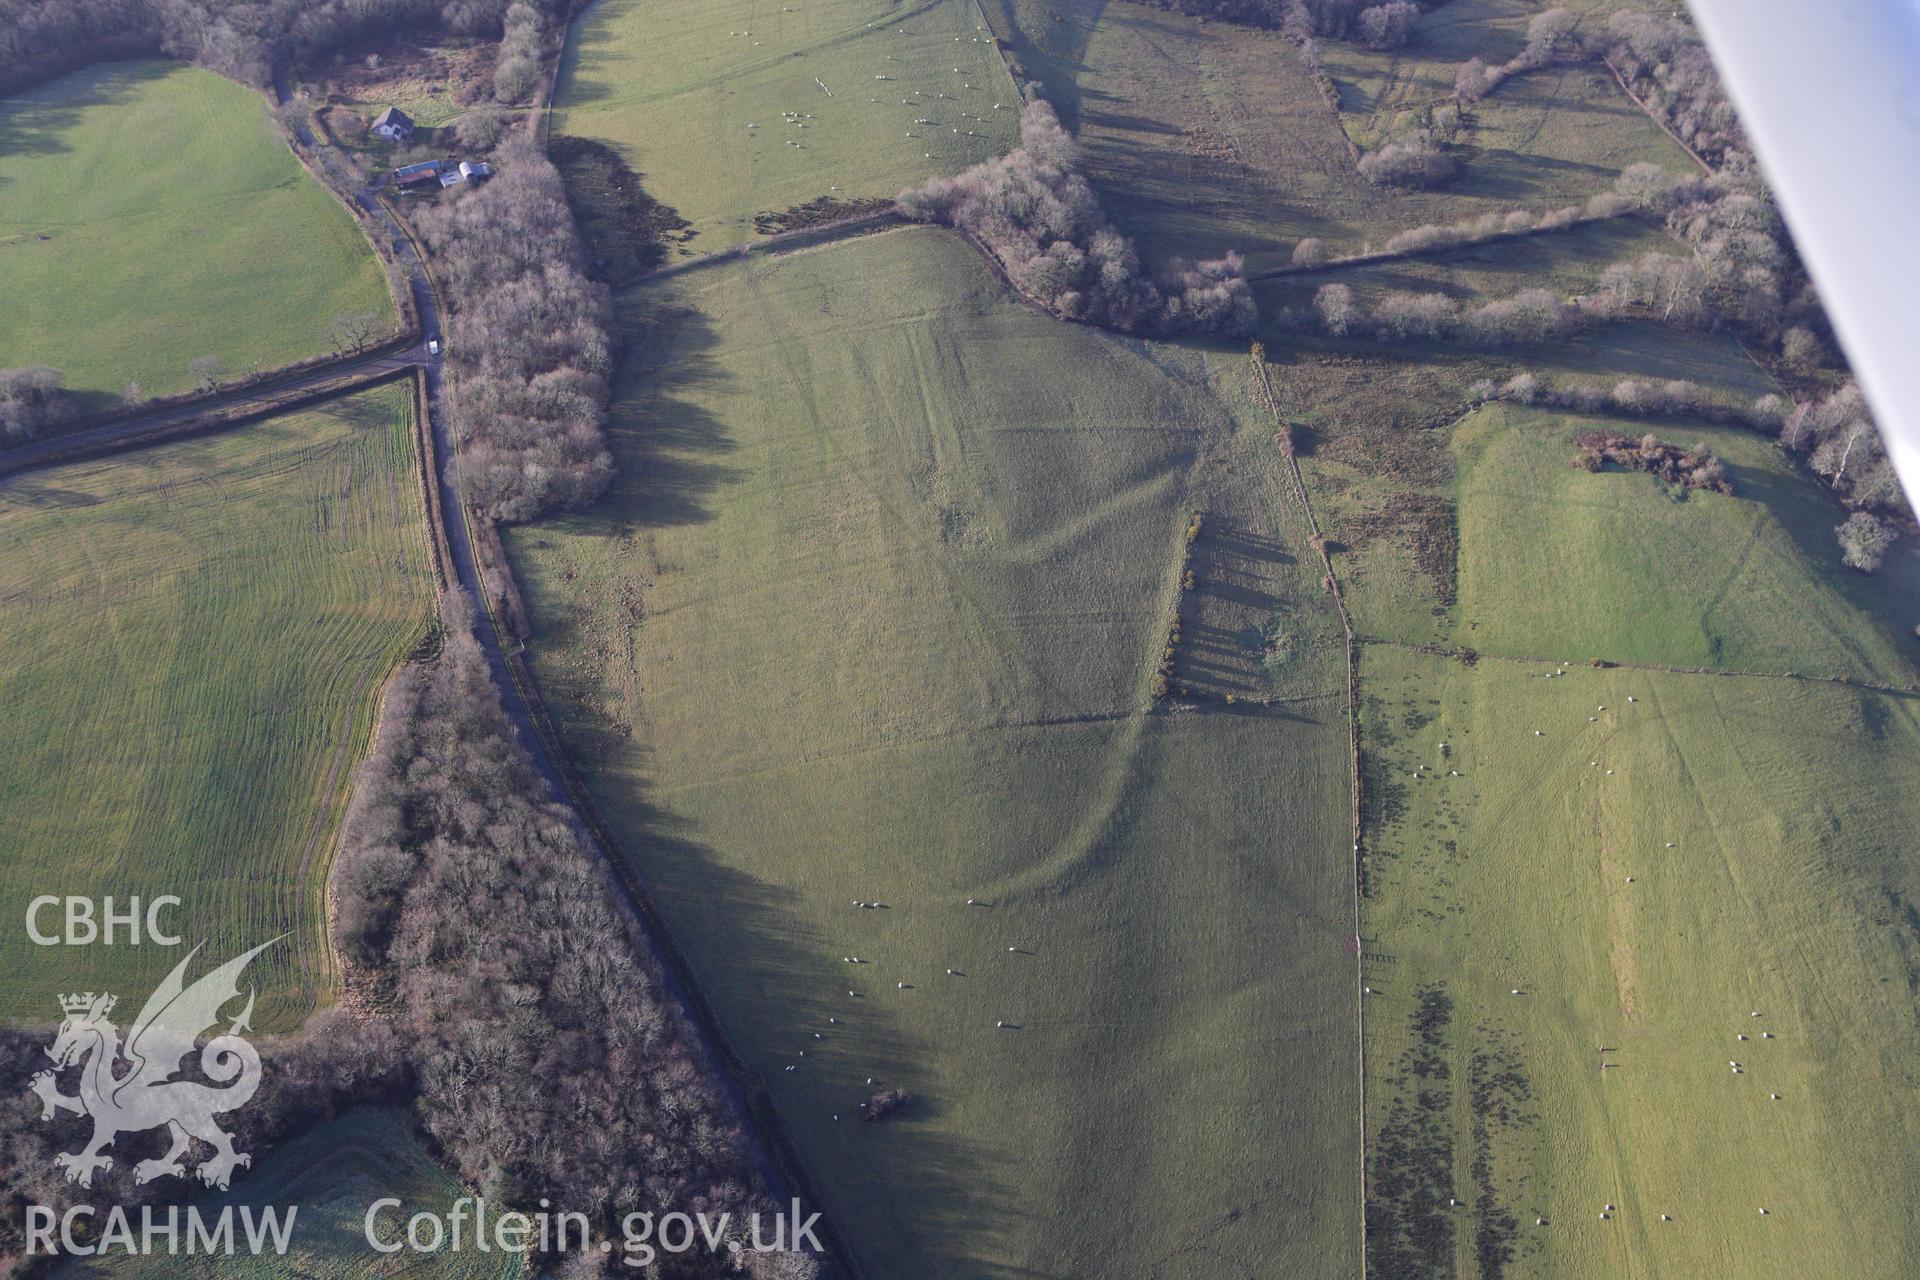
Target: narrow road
x=78, y=444
x=465, y=570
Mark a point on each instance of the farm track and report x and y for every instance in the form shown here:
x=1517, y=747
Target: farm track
x=1283, y=435
x=216, y=412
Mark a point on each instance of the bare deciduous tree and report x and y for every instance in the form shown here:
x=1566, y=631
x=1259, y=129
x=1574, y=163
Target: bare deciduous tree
x=351, y=330
x=1334, y=303
x=1414, y=160
x=207, y=372
x=1388, y=26
x=481, y=128
x=31, y=400
x=1041, y=220
x=1471, y=82
x=1802, y=349
x=1864, y=541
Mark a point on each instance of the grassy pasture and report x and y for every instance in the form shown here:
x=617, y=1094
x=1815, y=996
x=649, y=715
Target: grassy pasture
x=675, y=86
x=1373, y=425
x=332, y=1174
x=1205, y=136
x=1545, y=867
x=1199, y=136
x=150, y=214
x=871, y=615
x=1562, y=563
x=197, y=635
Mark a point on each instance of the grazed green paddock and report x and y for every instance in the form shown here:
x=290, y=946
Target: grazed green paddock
x=198, y=634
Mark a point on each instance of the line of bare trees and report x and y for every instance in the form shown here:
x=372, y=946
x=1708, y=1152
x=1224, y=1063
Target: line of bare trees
x=1434, y=237
x=243, y=39
x=1837, y=436
x=1550, y=37
x=1742, y=273
x=1380, y=24
x=1525, y=317
x=1041, y=221
x=531, y=342
x=1663, y=60
x=548, y=1060
x=1636, y=398
x=523, y=41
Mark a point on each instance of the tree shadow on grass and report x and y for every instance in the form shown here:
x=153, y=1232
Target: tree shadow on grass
x=30, y=490
x=1052, y=43
x=39, y=121
x=666, y=446
x=1524, y=178
x=1809, y=513
x=757, y=960
x=889, y=1192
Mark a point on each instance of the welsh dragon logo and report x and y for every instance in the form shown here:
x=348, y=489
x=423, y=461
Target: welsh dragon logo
x=145, y=1096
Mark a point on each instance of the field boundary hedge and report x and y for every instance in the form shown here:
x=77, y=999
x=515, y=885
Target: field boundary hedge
x=224, y=418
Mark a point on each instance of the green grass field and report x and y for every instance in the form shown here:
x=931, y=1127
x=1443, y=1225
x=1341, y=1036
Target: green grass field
x=871, y=615
x=1544, y=865
x=1751, y=582
x=197, y=634
x=149, y=215
x=330, y=1176
x=675, y=87
x=1715, y=847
